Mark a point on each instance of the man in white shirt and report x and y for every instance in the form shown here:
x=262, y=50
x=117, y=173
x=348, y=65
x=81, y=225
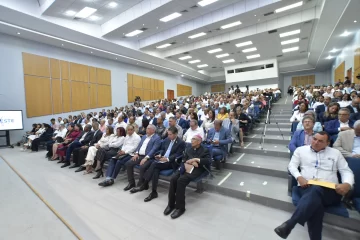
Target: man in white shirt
x=192, y=131
x=120, y=123
x=328, y=93
x=131, y=142
x=318, y=162
x=201, y=113
x=169, y=114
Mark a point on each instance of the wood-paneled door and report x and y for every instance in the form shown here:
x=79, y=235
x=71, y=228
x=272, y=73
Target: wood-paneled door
x=170, y=94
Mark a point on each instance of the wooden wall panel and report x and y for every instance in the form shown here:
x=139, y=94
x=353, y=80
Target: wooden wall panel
x=130, y=95
x=55, y=68
x=137, y=92
x=147, y=83
x=104, y=96
x=147, y=96
x=56, y=96
x=218, y=88
x=183, y=90
x=129, y=80
x=79, y=72
x=160, y=85
x=93, y=95
x=340, y=72
x=103, y=76
x=64, y=67
x=79, y=96
x=66, y=95
x=38, y=96
x=137, y=81
x=92, y=75
x=36, y=65
x=312, y=79
x=152, y=84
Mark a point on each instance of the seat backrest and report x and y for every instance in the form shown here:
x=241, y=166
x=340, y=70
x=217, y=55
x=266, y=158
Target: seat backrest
x=293, y=127
x=354, y=165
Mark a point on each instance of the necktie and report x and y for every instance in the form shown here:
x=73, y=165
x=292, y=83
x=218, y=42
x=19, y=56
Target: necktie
x=167, y=154
x=230, y=125
x=177, y=121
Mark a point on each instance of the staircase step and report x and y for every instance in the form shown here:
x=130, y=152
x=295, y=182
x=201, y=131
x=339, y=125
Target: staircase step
x=273, y=124
x=268, y=139
x=270, y=166
x=273, y=131
x=267, y=149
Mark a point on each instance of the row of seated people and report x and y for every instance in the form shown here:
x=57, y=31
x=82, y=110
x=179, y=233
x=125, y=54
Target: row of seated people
x=313, y=159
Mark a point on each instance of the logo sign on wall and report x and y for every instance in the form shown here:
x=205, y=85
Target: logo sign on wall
x=11, y=120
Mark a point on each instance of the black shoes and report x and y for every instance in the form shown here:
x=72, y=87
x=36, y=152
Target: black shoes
x=151, y=197
x=74, y=166
x=107, y=183
x=80, y=169
x=129, y=186
x=177, y=213
x=99, y=174
x=168, y=210
x=283, y=230
x=61, y=161
x=65, y=164
x=143, y=187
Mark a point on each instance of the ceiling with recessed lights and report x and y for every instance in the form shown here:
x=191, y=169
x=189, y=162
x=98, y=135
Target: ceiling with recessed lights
x=193, y=38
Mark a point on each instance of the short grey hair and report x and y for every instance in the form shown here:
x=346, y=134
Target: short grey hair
x=217, y=121
x=195, y=121
x=308, y=117
x=357, y=123
x=152, y=126
x=345, y=110
x=313, y=114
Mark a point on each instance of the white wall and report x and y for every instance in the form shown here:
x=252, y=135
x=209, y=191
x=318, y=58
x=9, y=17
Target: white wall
x=347, y=55
x=320, y=78
x=12, y=94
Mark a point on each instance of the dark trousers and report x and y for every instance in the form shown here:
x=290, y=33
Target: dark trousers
x=130, y=169
x=154, y=171
x=177, y=188
x=102, y=155
x=74, y=145
x=35, y=143
x=49, y=145
x=79, y=155
x=311, y=208
x=115, y=166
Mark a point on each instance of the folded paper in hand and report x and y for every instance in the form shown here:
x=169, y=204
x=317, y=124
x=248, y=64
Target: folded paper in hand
x=322, y=184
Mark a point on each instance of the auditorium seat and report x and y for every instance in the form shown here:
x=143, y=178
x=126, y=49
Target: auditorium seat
x=354, y=165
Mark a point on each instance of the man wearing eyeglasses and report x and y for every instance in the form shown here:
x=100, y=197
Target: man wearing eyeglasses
x=196, y=160
x=320, y=163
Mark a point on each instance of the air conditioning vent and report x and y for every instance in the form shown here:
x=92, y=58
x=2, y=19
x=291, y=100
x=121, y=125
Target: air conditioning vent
x=220, y=44
x=169, y=57
x=269, y=13
x=77, y=19
x=303, y=52
x=195, y=6
x=227, y=42
x=279, y=56
x=272, y=31
x=269, y=65
x=143, y=29
x=172, y=43
x=213, y=67
x=304, y=38
x=218, y=29
x=184, y=11
x=307, y=22
x=186, y=53
x=209, y=31
x=230, y=71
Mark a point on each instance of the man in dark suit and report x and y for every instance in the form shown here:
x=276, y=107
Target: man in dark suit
x=84, y=139
x=344, y=123
x=152, y=119
x=303, y=137
x=354, y=106
x=218, y=139
x=195, y=158
x=323, y=107
x=181, y=122
x=171, y=149
x=79, y=154
x=144, y=153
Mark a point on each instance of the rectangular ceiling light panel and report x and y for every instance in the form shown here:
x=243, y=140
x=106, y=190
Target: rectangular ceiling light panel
x=204, y=3
x=244, y=44
x=170, y=17
x=85, y=12
x=253, y=56
x=194, y=61
x=290, y=49
x=202, y=66
x=215, y=50
x=295, y=40
x=164, y=45
x=249, y=50
x=186, y=57
x=231, y=25
x=298, y=4
x=222, y=55
x=290, y=33
x=133, y=33
x=229, y=61
x=197, y=35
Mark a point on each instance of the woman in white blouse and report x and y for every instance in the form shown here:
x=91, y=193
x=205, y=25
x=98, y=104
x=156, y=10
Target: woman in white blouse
x=102, y=143
x=346, y=101
x=298, y=115
x=110, y=151
x=208, y=123
x=40, y=131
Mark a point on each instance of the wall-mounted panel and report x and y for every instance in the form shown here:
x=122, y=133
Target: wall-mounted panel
x=38, y=96
x=56, y=96
x=93, y=95
x=144, y=87
x=104, y=96
x=55, y=68
x=79, y=72
x=66, y=95
x=103, y=76
x=35, y=65
x=79, y=96
x=130, y=80
x=147, y=83
x=218, y=88
x=92, y=75
x=137, y=81
x=183, y=90
x=64, y=67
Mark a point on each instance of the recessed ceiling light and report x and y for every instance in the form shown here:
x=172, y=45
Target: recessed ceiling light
x=133, y=33
x=116, y=58
x=229, y=61
x=231, y=25
x=113, y=4
x=222, y=55
x=290, y=49
x=202, y=66
x=204, y=3
x=198, y=35
x=194, y=61
x=253, y=56
x=298, y=4
x=255, y=15
x=91, y=52
x=215, y=50
x=355, y=21
x=186, y=57
x=345, y=34
x=182, y=75
x=244, y=44
x=62, y=44
x=329, y=57
x=170, y=17
x=290, y=41
x=249, y=50
x=290, y=33
x=18, y=33
x=86, y=12
x=164, y=45
x=334, y=50
x=94, y=18
x=70, y=13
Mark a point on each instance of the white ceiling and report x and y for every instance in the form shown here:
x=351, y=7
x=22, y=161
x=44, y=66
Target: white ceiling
x=321, y=22
x=104, y=11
